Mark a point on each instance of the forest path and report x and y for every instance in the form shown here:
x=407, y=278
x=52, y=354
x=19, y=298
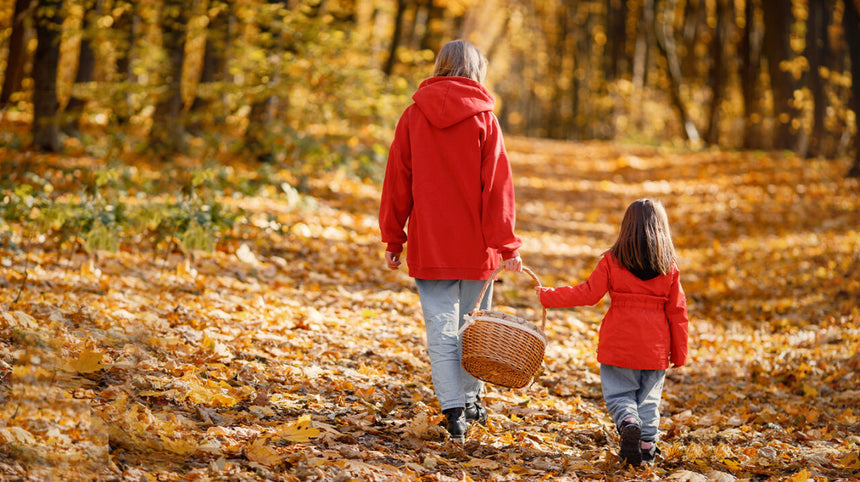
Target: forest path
x=292, y=353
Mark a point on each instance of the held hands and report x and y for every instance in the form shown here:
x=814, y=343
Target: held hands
x=393, y=260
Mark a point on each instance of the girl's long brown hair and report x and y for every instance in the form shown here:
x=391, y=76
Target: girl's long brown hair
x=644, y=242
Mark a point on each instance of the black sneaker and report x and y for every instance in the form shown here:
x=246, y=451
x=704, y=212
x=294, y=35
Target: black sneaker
x=630, y=452
x=475, y=412
x=650, y=455
x=456, y=424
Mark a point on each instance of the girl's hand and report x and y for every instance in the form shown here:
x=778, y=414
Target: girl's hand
x=514, y=264
x=393, y=260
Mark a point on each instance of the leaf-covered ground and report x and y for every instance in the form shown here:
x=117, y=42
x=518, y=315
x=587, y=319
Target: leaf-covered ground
x=291, y=353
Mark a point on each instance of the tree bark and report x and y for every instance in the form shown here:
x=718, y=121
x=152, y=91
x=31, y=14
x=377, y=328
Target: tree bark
x=214, y=67
x=851, y=25
x=719, y=70
x=124, y=30
x=617, y=64
x=17, y=56
x=666, y=44
x=750, y=54
x=777, y=49
x=395, y=38
x=86, y=68
x=816, y=51
x=167, y=135
x=641, y=54
x=46, y=131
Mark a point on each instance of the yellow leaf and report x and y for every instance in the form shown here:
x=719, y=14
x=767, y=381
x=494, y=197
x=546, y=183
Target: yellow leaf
x=88, y=361
x=851, y=460
x=262, y=454
x=207, y=392
x=298, y=431
x=801, y=476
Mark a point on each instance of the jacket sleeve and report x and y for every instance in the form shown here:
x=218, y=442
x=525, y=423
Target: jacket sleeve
x=396, y=203
x=676, y=313
x=498, y=213
x=588, y=293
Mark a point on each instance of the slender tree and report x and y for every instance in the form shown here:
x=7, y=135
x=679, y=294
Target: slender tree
x=616, y=64
x=86, y=70
x=214, y=68
x=45, y=106
x=718, y=75
x=15, y=60
x=641, y=57
x=851, y=25
x=666, y=43
x=395, y=37
x=168, y=131
x=777, y=50
x=816, y=51
x=750, y=71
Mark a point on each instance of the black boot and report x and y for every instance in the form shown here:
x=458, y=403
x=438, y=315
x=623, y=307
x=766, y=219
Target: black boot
x=475, y=412
x=457, y=425
x=630, y=434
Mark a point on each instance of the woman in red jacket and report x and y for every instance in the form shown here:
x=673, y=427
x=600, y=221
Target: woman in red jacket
x=448, y=174
x=645, y=328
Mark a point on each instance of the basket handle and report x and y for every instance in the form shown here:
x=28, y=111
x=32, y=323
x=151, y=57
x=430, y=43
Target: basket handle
x=493, y=276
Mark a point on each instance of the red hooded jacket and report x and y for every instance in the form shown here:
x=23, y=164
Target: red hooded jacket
x=448, y=174
x=646, y=325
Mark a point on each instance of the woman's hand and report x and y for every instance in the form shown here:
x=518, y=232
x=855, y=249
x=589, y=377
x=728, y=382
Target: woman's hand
x=393, y=260
x=514, y=264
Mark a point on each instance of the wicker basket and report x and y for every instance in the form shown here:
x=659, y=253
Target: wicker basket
x=502, y=349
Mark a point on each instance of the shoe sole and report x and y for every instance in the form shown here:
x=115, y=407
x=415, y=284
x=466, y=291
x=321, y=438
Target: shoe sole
x=630, y=452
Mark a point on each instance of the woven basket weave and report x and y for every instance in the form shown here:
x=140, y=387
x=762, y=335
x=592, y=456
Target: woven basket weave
x=500, y=348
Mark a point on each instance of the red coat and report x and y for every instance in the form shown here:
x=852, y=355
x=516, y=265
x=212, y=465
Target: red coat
x=646, y=325
x=448, y=174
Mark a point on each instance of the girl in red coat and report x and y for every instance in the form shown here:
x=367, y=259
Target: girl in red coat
x=448, y=174
x=644, y=330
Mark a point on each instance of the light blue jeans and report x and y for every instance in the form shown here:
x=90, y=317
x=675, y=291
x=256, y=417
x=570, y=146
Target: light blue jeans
x=445, y=303
x=634, y=393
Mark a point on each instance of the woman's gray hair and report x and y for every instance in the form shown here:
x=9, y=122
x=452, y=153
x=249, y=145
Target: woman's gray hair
x=459, y=58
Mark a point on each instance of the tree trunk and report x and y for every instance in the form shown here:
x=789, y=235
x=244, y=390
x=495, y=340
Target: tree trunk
x=556, y=37
x=431, y=39
x=750, y=54
x=666, y=44
x=851, y=25
x=124, y=29
x=641, y=53
x=395, y=38
x=816, y=50
x=46, y=131
x=214, y=68
x=718, y=71
x=777, y=49
x=258, y=137
x=616, y=63
x=17, y=56
x=168, y=132
x=86, y=69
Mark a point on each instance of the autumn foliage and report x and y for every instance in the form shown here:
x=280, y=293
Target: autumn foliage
x=272, y=343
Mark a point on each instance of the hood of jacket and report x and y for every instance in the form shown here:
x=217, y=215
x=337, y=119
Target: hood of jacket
x=445, y=101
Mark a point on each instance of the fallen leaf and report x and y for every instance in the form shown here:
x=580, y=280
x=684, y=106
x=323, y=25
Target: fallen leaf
x=262, y=453
x=88, y=361
x=298, y=431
